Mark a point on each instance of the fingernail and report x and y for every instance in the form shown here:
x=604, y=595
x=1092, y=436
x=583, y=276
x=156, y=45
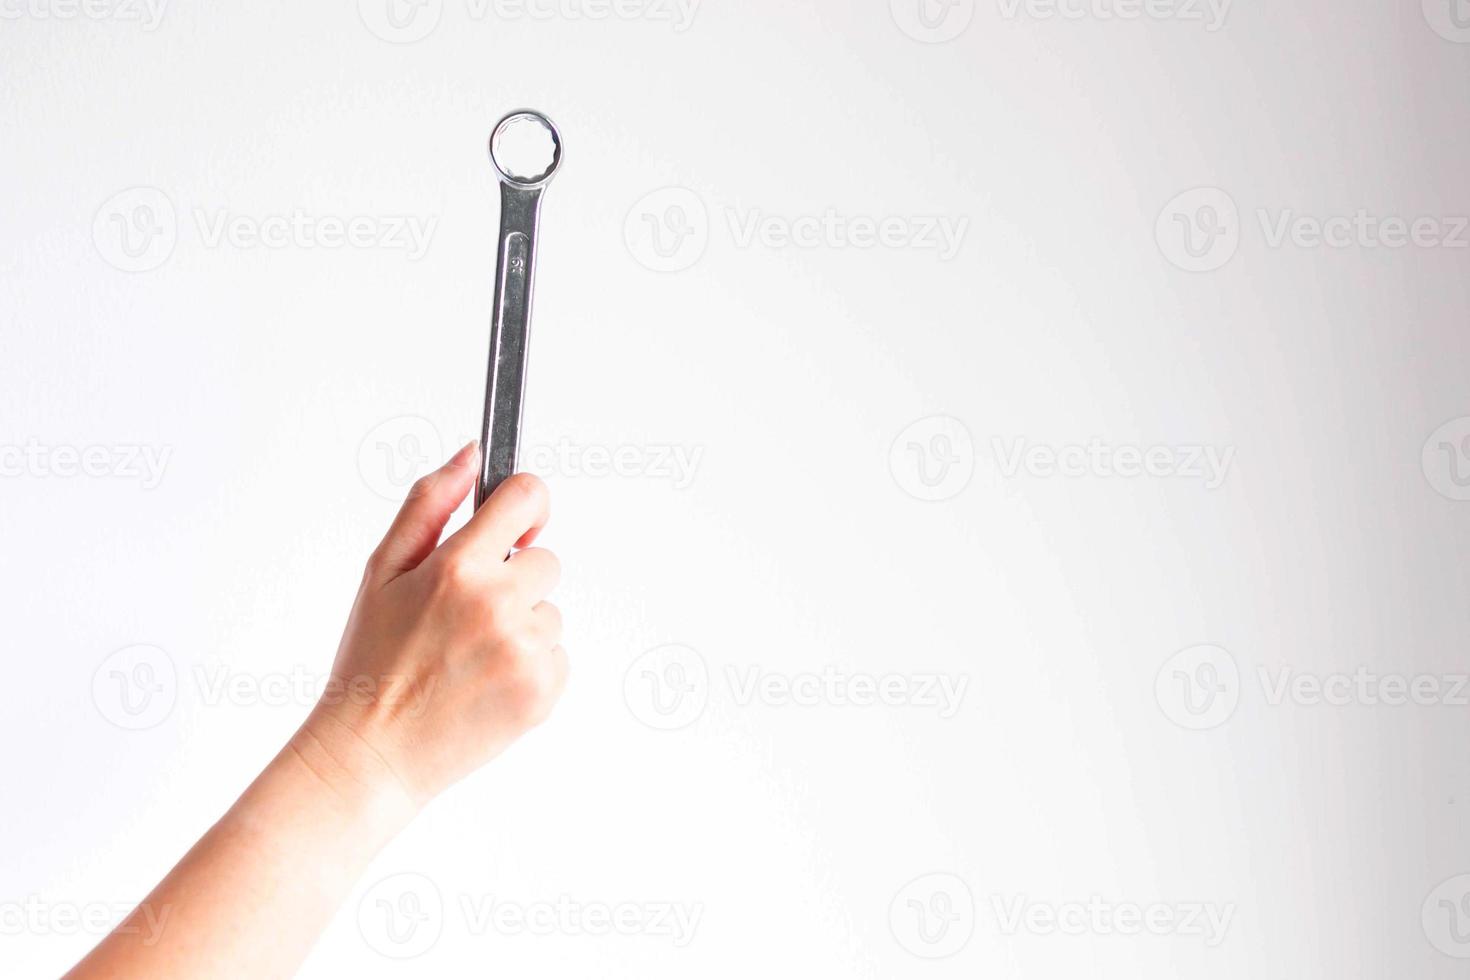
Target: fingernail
x=465, y=455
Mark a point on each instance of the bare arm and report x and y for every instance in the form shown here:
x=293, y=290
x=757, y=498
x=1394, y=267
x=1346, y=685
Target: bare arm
x=449, y=655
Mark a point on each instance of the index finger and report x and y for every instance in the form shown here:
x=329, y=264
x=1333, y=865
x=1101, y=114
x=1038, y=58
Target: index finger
x=511, y=518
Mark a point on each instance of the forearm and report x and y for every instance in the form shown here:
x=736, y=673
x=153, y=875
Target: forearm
x=451, y=652
x=252, y=895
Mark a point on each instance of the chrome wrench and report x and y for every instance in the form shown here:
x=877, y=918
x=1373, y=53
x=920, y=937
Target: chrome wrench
x=525, y=148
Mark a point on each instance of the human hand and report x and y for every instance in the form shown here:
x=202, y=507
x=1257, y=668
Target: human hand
x=451, y=651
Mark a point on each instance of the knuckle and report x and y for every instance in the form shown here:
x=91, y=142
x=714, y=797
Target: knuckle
x=524, y=645
x=524, y=489
x=375, y=563
x=421, y=487
x=457, y=573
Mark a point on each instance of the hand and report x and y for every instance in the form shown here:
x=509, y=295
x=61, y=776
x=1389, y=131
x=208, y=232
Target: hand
x=451, y=651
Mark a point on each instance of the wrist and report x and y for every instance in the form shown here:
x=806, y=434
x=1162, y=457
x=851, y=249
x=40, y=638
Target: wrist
x=352, y=774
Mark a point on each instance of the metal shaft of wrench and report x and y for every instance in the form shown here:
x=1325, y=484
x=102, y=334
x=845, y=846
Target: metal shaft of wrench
x=525, y=148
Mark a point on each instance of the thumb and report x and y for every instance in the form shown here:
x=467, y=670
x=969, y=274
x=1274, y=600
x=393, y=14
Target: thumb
x=416, y=529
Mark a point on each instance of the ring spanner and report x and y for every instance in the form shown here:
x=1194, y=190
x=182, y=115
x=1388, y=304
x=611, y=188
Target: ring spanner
x=525, y=148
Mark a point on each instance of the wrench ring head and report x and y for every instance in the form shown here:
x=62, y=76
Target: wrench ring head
x=525, y=148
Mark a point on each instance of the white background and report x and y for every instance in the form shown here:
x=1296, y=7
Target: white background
x=293, y=386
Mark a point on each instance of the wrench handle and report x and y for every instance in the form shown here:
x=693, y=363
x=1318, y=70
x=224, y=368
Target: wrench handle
x=515, y=267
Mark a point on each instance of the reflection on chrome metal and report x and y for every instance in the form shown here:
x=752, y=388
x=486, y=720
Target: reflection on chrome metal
x=525, y=148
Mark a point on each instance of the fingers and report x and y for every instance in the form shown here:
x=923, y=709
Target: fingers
x=513, y=516
x=421, y=520
x=534, y=572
